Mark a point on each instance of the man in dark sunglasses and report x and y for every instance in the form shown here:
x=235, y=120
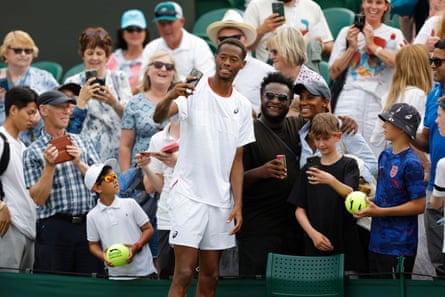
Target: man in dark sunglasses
x=249, y=78
x=188, y=50
x=431, y=141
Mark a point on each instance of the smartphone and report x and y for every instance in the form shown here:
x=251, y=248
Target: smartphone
x=171, y=148
x=198, y=75
x=278, y=7
x=359, y=21
x=89, y=73
x=61, y=143
x=313, y=161
x=4, y=83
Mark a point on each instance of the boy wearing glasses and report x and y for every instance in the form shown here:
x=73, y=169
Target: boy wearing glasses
x=114, y=221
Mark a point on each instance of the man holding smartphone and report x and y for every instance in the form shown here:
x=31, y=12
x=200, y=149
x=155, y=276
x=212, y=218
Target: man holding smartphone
x=304, y=15
x=205, y=198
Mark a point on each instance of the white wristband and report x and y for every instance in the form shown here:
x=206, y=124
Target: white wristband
x=378, y=50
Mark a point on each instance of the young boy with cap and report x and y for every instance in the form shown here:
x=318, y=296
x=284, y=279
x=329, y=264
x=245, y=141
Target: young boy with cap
x=399, y=197
x=114, y=221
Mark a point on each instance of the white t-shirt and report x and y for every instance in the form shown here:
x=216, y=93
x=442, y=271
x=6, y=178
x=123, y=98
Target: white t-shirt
x=192, y=52
x=20, y=204
x=367, y=72
x=439, y=185
x=212, y=128
x=158, y=141
x=413, y=96
x=248, y=80
x=306, y=16
x=120, y=223
x=430, y=25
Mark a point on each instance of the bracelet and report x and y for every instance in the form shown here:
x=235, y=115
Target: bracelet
x=116, y=105
x=378, y=50
x=2, y=204
x=137, y=245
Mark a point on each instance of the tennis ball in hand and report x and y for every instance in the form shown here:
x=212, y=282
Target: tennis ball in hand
x=355, y=201
x=118, y=254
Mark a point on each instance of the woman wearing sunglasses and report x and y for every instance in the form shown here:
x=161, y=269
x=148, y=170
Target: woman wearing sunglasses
x=131, y=40
x=98, y=117
x=137, y=122
x=18, y=51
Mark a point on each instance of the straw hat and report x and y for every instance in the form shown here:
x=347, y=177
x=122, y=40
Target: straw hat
x=232, y=19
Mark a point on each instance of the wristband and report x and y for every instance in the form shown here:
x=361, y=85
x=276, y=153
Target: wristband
x=378, y=50
x=137, y=245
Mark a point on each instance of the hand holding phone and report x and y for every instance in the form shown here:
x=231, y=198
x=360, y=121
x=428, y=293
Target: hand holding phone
x=171, y=148
x=197, y=75
x=61, y=143
x=313, y=161
x=359, y=21
x=278, y=7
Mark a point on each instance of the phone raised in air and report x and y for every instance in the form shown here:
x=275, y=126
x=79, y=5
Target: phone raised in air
x=278, y=7
x=359, y=21
x=194, y=73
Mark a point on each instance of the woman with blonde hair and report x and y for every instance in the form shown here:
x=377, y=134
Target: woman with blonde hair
x=411, y=82
x=287, y=51
x=137, y=122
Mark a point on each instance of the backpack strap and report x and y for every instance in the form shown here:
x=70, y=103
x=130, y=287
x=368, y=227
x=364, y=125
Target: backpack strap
x=4, y=161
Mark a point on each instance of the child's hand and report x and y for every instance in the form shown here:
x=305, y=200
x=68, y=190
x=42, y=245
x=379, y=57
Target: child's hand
x=371, y=211
x=318, y=176
x=133, y=251
x=108, y=263
x=321, y=242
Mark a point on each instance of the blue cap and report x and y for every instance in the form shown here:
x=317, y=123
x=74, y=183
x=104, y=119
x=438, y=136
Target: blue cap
x=167, y=11
x=133, y=17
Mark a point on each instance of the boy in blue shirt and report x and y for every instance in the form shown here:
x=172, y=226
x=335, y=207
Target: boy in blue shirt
x=399, y=197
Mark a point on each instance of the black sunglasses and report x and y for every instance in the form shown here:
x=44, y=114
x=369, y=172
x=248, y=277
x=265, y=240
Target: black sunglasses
x=271, y=96
x=19, y=50
x=133, y=29
x=165, y=12
x=159, y=65
x=436, y=61
x=221, y=38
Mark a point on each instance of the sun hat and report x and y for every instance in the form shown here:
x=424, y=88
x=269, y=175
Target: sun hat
x=232, y=19
x=167, y=11
x=403, y=116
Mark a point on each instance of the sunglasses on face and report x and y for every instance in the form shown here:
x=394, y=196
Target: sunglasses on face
x=19, y=50
x=221, y=38
x=134, y=29
x=271, y=96
x=159, y=65
x=109, y=178
x=436, y=61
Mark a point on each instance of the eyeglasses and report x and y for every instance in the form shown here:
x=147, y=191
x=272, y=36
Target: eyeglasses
x=159, y=65
x=436, y=61
x=271, y=96
x=19, y=50
x=165, y=12
x=134, y=29
x=221, y=38
x=109, y=178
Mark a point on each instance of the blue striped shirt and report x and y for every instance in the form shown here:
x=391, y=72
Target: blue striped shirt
x=69, y=195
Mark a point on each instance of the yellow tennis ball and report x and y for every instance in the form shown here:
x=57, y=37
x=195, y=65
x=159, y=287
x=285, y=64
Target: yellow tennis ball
x=355, y=201
x=118, y=254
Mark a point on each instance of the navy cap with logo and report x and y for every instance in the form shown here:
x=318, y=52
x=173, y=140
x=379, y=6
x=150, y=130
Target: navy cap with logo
x=167, y=11
x=54, y=97
x=403, y=116
x=315, y=87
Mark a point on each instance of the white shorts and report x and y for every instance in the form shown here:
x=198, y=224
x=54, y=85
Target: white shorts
x=198, y=225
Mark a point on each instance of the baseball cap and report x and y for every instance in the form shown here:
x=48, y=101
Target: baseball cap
x=167, y=11
x=95, y=170
x=133, y=17
x=73, y=87
x=403, y=116
x=315, y=87
x=54, y=97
